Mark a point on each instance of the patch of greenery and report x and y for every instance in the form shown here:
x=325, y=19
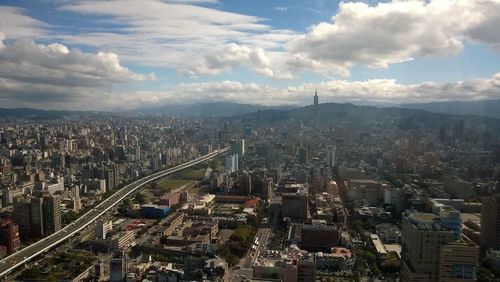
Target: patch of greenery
x=61, y=266
x=192, y=173
x=239, y=242
x=170, y=184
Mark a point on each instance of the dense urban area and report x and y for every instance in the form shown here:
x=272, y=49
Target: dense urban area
x=325, y=192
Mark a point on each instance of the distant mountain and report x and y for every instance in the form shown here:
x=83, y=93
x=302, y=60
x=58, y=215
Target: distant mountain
x=337, y=114
x=37, y=114
x=216, y=109
x=34, y=114
x=219, y=109
x=488, y=108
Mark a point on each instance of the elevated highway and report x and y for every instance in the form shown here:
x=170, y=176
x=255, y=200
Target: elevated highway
x=24, y=255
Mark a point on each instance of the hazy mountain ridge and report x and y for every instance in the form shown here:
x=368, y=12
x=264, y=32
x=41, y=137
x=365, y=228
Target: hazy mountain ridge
x=35, y=114
x=488, y=108
x=214, y=109
x=338, y=113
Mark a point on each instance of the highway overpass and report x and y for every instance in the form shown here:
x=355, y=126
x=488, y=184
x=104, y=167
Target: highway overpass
x=24, y=255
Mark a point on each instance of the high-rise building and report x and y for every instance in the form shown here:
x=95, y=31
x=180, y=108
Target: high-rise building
x=458, y=261
x=490, y=223
x=37, y=217
x=118, y=267
x=9, y=235
x=422, y=237
x=295, y=205
x=137, y=155
x=51, y=214
x=102, y=228
x=316, y=99
x=330, y=156
x=427, y=250
x=231, y=163
x=303, y=155
x=43, y=142
x=237, y=147
x=22, y=216
x=319, y=237
x=9, y=194
x=306, y=270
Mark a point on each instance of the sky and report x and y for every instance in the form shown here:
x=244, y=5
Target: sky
x=104, y=55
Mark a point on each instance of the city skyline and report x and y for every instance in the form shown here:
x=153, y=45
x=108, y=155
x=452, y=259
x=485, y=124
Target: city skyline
x=95, y=55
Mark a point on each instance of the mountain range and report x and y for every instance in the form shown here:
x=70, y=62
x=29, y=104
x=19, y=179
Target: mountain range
x=487, y=108
x=215, y=109
x=228, y=109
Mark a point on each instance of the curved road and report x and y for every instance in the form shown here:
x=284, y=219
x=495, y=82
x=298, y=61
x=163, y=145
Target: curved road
x=24, y=255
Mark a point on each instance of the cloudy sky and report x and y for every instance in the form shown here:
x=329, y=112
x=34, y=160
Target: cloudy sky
x=66, y=54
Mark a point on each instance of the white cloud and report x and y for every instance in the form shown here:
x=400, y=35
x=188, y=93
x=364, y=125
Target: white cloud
x=373, y=36
x=397, y=31
x=225, y=58
x=14, y=24
x=170, y=33
x=281, y=9
x=193, y=1
x=35, y=73
x=163, y=34
x=486, y=29
x=375, y=90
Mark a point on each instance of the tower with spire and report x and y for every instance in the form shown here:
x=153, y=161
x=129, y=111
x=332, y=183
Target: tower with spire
x=316, y=98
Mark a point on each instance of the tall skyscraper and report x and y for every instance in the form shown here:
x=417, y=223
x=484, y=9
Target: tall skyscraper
x=330, y=156
x=51, y=214
x=22, y=216
x=37, y=217
x=231, y=163
x=490, y=223
x=118, y=267
x=316, y=99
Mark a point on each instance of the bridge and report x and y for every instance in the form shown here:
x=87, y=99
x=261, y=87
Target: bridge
x=24, y=255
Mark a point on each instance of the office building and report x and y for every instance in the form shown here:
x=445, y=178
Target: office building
x=319, y=237
x=458, y=261
x=422, y=237
x=490, y=223
x=22, y=216
x=9, y=235
x=295, y=205
x=231, y=163
x=237, y=147
x=118, y=267
x=37, y=217
x=431, y=252
x=102, y=228
x=51, y=214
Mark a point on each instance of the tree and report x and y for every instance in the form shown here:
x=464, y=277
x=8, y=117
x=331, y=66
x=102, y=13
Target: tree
x=140, y=198
x=127, y=202
x=154, y=185
x=69, y=217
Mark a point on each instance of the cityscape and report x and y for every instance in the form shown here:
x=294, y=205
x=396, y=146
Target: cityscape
x=127, y=170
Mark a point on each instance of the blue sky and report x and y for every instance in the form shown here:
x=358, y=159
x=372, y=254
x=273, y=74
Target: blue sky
x=70, y=54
